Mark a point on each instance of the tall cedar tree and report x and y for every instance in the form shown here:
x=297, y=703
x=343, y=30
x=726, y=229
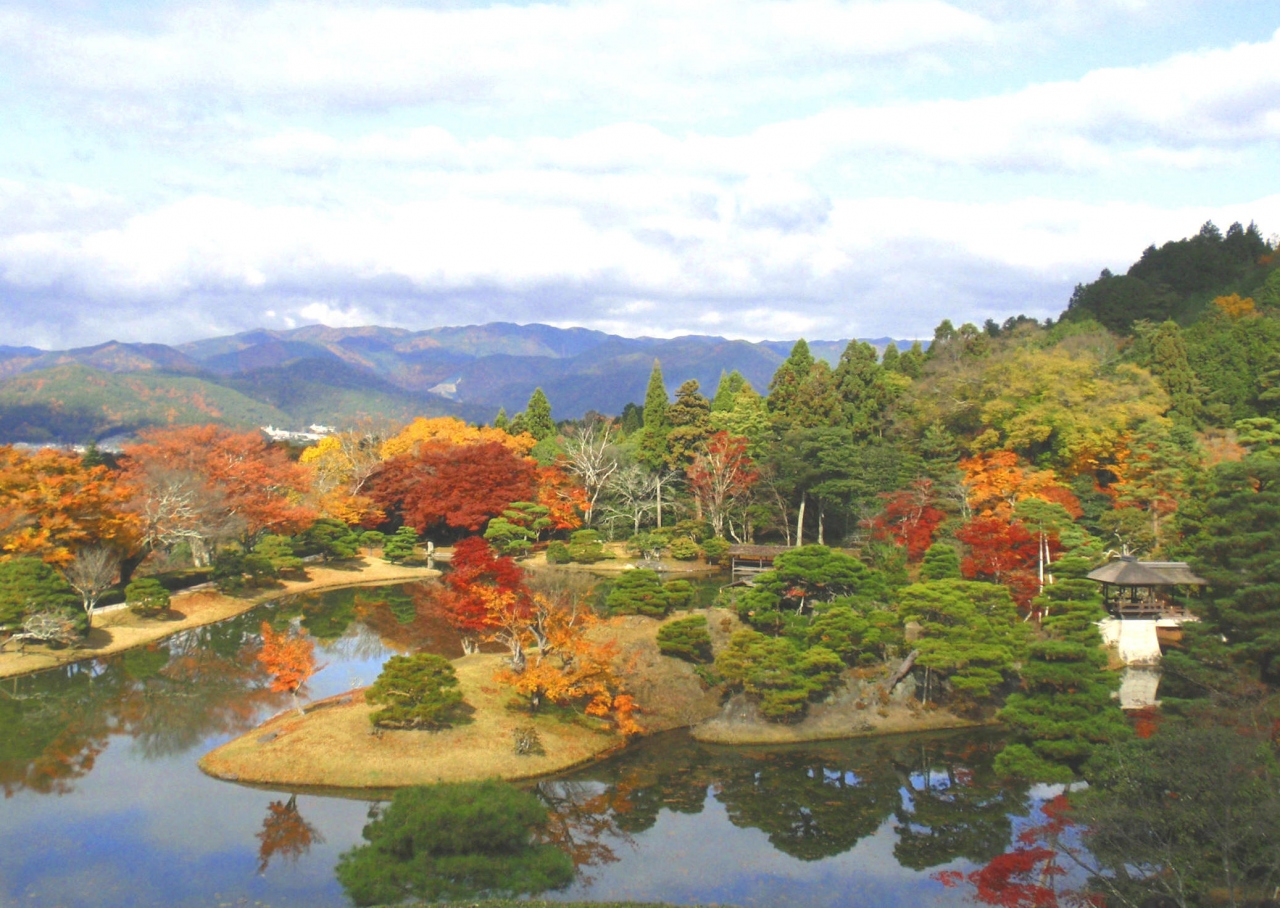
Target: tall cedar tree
x=537, y=416
x=458, y=486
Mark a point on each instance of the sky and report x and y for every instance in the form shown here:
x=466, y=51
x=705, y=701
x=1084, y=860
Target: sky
x=827, y=168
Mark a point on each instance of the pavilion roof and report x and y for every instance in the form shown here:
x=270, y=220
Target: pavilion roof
x=1129, y=571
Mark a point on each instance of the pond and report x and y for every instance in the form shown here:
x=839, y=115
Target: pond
x=104, y=804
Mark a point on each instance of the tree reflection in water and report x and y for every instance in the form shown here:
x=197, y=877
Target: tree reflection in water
x=812, y=801
x=167, y=697
x=285, y=834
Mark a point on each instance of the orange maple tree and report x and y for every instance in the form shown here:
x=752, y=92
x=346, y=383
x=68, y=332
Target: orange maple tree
x=564, y=499
x=995, y=482
x=559, y=664
x=290, y=660
x=201, y=483
x=52, y=504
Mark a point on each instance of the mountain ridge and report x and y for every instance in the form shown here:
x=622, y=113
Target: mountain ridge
x=318, y=373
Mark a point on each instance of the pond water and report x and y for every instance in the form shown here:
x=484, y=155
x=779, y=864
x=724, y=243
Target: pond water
x=104, y=804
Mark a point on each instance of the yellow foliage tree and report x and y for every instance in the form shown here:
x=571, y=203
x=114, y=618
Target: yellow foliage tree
x=1234, y=307
x=448, y=431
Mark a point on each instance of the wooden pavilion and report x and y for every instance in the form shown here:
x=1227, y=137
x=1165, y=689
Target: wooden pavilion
x=746, y=560
x=1144, y=589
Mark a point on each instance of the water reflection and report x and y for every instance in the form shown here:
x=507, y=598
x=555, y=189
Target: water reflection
x=173, y=697
x=812, y=801
x=285, y=834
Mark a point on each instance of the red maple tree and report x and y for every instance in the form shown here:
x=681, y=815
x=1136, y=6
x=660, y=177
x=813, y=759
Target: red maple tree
x=457, y=485
x=476, y=573
x=909, y=518
x=1005, y=552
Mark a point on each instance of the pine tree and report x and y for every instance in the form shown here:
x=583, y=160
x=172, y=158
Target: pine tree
x=400, y=546
x=419, y=691
x=941, y=562
x=537, y=416
x=889, y=360
x=500, y=421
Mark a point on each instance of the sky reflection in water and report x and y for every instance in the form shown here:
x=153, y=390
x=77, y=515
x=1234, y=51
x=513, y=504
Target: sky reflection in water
x=104, y=804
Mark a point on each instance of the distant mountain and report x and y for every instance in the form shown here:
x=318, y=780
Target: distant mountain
x=72, y=403
x=339, y=375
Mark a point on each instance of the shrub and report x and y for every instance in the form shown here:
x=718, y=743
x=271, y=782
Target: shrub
x=715, y=549
x=585, y=547
x=679, y=593
x=638, y=592
x=400, y=546
x=419, y=691
x=683, y=548
x=454, y=842
x=557, y=553
x=146, y=597
x=686, y=639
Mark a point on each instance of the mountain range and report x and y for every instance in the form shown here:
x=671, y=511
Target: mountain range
x=335, y=376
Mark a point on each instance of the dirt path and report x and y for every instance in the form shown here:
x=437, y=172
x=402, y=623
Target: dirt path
x=120, y=630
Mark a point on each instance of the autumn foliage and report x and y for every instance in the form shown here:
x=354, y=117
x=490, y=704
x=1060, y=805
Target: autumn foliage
x=459, y=486
x=995, y=482
x=1003, y=551
x=51, y=505
x=290, y=659
x=909, y=518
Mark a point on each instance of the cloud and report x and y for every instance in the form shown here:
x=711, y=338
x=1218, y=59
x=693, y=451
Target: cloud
x=613, y=54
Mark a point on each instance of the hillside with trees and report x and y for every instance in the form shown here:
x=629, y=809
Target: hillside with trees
x=936, y=512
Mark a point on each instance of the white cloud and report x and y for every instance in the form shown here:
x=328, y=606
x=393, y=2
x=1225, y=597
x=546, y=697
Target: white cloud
x=616, y=53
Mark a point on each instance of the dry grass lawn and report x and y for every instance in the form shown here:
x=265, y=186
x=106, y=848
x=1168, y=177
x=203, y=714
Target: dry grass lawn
x=333, y=745
x=116, y=631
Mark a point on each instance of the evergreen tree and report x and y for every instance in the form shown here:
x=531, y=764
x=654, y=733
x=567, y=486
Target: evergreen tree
x=454, y=842
x=28, y=585
x=911, y=363
x=690, y=418
x=864, y=395
x=1236, y=551
x=686, y=639
x=727, y=390
x=889, y=359
x=941, y=562
x=1065, y=709
x=418, y=691
x=401, y=545
x=652, y=450
x=500, y=421
x=970, y=633
x=537, y=416
x=787, y=382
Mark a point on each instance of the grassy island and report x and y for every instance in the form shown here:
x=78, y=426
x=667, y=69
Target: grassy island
x=334, y=745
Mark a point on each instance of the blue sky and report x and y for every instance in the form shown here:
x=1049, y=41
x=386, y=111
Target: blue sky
x=170, y=171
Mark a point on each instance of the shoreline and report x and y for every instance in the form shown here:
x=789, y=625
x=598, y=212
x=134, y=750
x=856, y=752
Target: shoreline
x=334, y=747
x=121, y=630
